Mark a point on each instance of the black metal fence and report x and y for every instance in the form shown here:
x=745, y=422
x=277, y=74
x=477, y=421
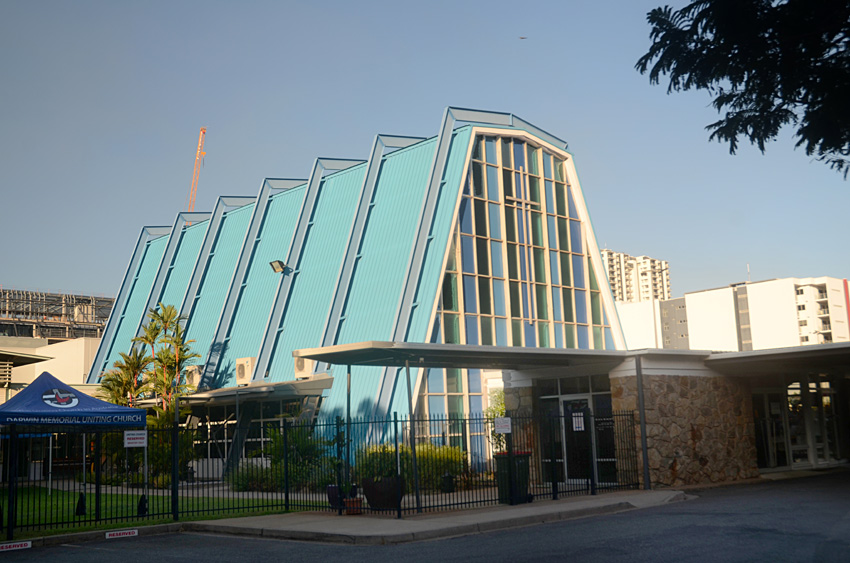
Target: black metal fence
x=71, y=480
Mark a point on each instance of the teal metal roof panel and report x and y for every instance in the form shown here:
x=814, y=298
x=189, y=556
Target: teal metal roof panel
x=432, y=269
x=386, y=246
x=378, y=283
x=134, y=311
x=312, y=291
x=183, y=265
x=258, y=293
x=216, y=281
x=419, y=329
x=364, y=385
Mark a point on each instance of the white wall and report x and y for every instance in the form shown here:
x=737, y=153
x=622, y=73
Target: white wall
x=773, y=313
x=639, y=321
x=70, y=363
x=711, y=320
x=836, y=294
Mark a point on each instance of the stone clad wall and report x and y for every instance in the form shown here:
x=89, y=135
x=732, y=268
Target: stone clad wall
x=699, y=428
x=519, y=400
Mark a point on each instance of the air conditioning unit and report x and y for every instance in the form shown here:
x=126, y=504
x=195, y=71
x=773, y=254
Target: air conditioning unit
x=304, y=368
x=244, y=370
x=193, y=375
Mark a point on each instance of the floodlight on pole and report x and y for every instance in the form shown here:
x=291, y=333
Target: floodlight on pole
x=278, y=266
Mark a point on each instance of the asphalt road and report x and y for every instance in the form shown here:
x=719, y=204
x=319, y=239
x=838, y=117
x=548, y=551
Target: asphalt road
x=806, y=519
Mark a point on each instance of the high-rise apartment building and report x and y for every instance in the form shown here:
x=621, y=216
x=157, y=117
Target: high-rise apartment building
x=636, y=278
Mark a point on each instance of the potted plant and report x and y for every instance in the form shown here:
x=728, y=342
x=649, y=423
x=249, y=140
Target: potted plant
x=337, y=498
x=379, y=474
x=353, y=504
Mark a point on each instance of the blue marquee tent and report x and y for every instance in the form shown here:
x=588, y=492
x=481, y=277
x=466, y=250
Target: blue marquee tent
x=49, y=402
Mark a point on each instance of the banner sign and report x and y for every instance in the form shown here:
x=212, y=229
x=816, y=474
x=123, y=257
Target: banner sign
x=121, y=534
x=15, y=545
x=135, y=438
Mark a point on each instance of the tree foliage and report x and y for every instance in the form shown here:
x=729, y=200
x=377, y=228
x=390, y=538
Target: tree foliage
x=766, y=63
x=128, y=378
x=155, y=362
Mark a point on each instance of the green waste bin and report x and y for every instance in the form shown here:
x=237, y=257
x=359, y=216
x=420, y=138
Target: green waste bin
x=520, y=475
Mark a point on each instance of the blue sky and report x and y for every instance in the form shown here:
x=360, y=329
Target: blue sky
x=101, y=103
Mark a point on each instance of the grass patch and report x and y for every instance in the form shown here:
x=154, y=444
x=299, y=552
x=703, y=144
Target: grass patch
x=42, y=514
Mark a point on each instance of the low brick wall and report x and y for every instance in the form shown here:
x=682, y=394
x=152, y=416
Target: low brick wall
x=699, y=429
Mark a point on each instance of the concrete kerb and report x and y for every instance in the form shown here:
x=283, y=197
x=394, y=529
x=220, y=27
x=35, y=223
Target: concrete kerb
x=95, y=535
x=360, y=530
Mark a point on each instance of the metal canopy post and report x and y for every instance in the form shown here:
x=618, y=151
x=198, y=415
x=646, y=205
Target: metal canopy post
x=642, y=413
x=348, y=429
x=412, y=438
x=13, y=483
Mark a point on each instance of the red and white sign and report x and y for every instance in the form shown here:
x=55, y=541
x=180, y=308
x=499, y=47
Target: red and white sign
x=135, y=438
x=502, y=425
x=121, y=534
x=11, y=546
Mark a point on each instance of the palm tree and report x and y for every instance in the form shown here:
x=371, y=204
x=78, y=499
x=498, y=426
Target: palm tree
x=126, y=380
x=183, y=355
x=149, y=337
x=169, y=354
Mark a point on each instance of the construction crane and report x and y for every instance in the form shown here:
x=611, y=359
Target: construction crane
x=199, y=156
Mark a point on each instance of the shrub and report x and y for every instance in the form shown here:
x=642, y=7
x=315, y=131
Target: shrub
x=313, y=477
x=379, y=462
x=435, y=461
x=257, y=479
x=161, y=481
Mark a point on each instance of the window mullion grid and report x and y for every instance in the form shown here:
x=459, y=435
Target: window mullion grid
x=503, y=210
x=550, y=284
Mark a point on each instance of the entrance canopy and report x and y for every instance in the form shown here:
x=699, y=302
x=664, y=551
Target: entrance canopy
x=49, y=402
x=260, y=391
x=800, y=360
x=397, y=354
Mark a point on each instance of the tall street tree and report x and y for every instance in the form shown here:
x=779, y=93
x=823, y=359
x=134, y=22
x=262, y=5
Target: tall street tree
x=767, y=64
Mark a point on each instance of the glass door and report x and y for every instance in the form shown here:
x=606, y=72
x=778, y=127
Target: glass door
x=771, y=429
x=551, y=441
x=577, y=437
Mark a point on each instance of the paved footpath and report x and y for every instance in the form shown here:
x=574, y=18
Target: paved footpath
x=371, y=530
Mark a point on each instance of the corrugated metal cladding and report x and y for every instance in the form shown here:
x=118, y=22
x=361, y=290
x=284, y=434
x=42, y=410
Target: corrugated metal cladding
x=386, y=245
x=136, y=301
x=431, y=276
x=432, y=269
x=381, y=271
x=258, y=292
x=216, y=280
x=183, y=265
x=312, y=289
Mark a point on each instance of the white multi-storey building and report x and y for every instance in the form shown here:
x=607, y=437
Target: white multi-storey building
x=777, y=313
x=636, y=278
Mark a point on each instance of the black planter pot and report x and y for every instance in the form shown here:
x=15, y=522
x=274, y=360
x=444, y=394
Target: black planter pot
x=384, y=493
